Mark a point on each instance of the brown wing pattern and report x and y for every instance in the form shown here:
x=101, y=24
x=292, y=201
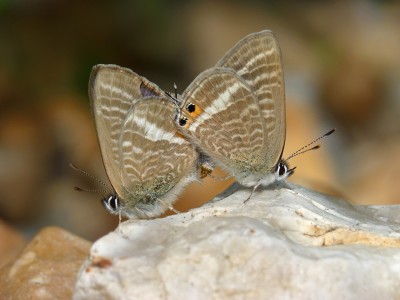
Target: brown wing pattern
x=154, y=156
x=113, y=91
x=257, y=59
x=227, y=124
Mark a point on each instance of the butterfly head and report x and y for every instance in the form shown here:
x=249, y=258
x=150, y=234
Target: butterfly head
x=282, y=170
x=112, y=204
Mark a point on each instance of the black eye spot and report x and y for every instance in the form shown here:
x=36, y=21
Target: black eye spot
x=182, y=121
x=282, y=169
x=190, y=107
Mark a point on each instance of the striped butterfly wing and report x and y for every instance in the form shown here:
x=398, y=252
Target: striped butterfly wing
x=257, y=60
x=157, y=161
x=113, y=91
x=220, y=114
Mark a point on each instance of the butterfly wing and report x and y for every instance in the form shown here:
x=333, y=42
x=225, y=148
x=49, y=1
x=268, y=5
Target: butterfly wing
x=224, y=120
x=113, y=91
x=157, y=161
x=257, y=59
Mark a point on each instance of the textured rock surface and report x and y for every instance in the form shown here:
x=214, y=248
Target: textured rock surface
x=284, y=243
x=46, y=268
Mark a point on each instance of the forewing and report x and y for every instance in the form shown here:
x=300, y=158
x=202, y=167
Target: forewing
x=257, y=59
x=227, y=123
x=154, y=156
x=113, y=90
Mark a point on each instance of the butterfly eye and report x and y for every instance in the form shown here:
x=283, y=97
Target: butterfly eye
x=111, y=203
x=183, y=121
x=190, y=107
x=282, y=169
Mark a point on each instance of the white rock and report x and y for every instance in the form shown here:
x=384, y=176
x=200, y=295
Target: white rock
x=284, y=243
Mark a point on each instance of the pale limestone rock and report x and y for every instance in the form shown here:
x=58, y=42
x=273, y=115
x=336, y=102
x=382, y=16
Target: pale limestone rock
x=284, y=243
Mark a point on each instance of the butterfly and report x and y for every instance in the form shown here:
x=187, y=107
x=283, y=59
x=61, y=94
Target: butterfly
x=235, y=112
x=154, y=143
x=147, y=161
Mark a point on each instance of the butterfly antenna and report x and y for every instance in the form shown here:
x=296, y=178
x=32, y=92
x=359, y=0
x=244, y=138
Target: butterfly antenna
x=169, y=94
x=176, y=90
x=72, y=166
x=174, y=97
x=304, y=150
x=103, y=192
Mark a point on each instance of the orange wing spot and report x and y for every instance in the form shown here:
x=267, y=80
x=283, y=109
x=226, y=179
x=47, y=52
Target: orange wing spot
x=178, y=134
x=197, y=112
x=188, y=123
x=193, y=110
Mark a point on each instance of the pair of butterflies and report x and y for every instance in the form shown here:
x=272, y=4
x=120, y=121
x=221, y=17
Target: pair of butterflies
x=154, y=143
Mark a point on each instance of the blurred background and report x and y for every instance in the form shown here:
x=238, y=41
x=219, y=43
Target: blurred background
x=342, y=70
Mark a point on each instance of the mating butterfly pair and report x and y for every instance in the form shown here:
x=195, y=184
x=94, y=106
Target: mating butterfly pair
x=154, y=143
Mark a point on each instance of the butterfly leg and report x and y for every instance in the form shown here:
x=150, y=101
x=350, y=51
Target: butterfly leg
x=142, y=212
x=252, y=192
x=234, y=187
x=170, y=207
